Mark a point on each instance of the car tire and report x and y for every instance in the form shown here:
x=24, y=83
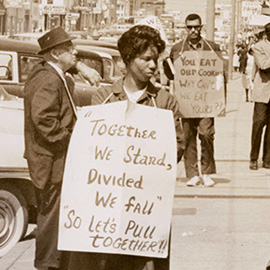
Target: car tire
x=13, y=217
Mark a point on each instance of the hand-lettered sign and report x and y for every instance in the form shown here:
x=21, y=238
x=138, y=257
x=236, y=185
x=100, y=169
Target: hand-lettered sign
x=199, y=84
x=119, y=181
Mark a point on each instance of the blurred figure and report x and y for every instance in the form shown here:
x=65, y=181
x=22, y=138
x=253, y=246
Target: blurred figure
x=235, y=61
x=242, y=53
x=247, y=76
x=261, y=97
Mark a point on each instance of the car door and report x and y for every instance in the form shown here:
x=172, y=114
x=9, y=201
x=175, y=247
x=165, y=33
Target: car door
x=14, y=69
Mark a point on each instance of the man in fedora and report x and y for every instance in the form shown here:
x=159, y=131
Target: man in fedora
x=50, y=115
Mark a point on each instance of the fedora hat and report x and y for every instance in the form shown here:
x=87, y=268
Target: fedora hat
x=52, y=38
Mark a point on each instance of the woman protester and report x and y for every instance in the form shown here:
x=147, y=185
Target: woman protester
x=140, y=48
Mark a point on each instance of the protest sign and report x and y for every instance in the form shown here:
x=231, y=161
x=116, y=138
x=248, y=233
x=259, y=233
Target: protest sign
x=154, y=22
x=199, y=84
x=119, y=181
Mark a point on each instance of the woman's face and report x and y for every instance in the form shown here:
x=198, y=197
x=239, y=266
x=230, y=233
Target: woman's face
x=143, y=67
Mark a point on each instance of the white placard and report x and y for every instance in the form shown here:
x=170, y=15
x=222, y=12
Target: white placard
x=199, y=84
x=250, y=9
x=154, y=21
x=119, y=181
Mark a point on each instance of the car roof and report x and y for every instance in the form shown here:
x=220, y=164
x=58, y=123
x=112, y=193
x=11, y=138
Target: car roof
x=108, y=39
x=18, y=46
x=112, y=52
x=85, y=49
x=89, y=54
x=97, y=43
x=34, y=35
x=33, y=47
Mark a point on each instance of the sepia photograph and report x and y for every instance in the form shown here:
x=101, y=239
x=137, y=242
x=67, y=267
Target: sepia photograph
x=134, y=134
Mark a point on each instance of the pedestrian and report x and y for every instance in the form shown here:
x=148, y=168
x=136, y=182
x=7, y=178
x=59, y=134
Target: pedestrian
x=248, y=75
x=50, y=115
x=193, y=127
x=261, y=98
x=141, y=63
x=235, y=61
x=242, y=53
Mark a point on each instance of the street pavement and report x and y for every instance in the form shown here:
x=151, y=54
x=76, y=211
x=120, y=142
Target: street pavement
x=223, y=227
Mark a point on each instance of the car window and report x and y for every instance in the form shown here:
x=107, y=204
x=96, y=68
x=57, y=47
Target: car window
x=5, y=67
x=26, y=63
x=120, y=67
x=97, y=65
x=108, y=73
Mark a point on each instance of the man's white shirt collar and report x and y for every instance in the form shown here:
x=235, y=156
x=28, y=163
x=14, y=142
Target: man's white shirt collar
x=58, y=69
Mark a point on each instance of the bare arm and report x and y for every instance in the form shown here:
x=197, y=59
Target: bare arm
x=90, y=74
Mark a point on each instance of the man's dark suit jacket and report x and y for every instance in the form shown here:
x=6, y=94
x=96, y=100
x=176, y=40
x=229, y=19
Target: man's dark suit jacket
x=49, y=121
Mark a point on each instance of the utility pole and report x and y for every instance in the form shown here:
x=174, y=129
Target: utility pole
x=238, y=12
x=210, y=19
x=31, y=16
x=232, y=38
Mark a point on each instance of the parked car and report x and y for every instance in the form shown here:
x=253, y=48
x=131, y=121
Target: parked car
x=17, y=59
x=109, y=39
x=79, y=34
x=17, y=198
x=107, y=48
x=26, y=36
x=98, y=43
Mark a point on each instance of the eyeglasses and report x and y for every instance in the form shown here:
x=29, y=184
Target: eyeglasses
x=196, y=27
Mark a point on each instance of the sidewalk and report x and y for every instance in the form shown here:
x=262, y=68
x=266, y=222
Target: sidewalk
x=233, y=180
x=233, y=132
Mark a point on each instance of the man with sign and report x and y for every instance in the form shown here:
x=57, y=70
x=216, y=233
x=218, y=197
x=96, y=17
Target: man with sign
x=199, y=88
x=133, y=171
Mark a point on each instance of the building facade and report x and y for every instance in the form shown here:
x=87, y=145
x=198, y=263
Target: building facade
x=17, y=16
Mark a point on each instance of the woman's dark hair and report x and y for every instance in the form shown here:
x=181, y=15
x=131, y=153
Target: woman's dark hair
x=137, y=40
x=192, y=17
